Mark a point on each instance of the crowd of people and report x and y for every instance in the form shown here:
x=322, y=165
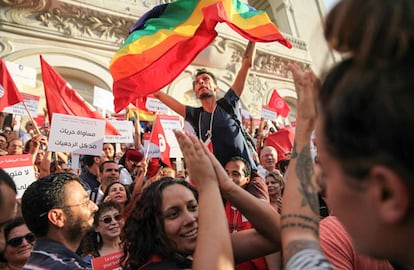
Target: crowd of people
x=348, y=207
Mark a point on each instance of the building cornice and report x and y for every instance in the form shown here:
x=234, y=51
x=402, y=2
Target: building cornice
x=67, y=20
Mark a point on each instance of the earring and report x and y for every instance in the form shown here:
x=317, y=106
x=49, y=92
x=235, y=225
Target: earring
x=98, y=238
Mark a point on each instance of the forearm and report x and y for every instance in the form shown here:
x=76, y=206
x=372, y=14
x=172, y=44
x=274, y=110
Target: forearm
x=256, y=211
x=249, y=244
x=44, y=168
x=300, y=213
x=171, y=102
x=213, y=250
x=137, y=133
x=138, y=184
x=240, y=81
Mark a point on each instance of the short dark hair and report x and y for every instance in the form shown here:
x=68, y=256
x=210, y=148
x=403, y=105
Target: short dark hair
x=8, y=181
x=88, y=160
x=4, y=136
x=283, y=165
x=204, y=71
x=42, y=196
x=102, y=165
x=16, y=222
x=247, y=168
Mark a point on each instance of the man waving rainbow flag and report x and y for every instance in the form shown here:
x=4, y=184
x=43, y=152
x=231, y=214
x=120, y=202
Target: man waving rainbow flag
x=165, y=40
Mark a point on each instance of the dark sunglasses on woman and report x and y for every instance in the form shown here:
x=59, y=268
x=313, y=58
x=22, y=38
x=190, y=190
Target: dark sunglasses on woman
x=108, y=219
x=17, y=241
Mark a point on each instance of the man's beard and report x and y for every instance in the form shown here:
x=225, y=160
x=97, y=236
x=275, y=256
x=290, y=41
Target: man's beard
x=76, y=228
x=205, y=95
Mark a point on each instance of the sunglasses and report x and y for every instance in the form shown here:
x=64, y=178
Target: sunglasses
x=17, y=241
x=134, y=163
x=108, y=219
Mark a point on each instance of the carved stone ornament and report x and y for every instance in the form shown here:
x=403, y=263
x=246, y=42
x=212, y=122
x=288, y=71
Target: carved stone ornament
x=253, y=94
x=70, y=20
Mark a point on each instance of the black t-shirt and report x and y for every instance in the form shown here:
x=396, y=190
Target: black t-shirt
x=226, y=136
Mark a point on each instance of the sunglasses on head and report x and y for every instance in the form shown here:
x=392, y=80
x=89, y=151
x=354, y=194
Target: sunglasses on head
x=17, y=241
x=108, y=219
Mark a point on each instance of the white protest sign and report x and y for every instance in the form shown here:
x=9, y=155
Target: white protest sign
x=151, y=150
x=169, y=124
x=22, y=74
x=125, y=128
x=20, y=168
x=79, y=135
x=155, y=105
x=103, y=99
x=32, y=103
x=268, y=113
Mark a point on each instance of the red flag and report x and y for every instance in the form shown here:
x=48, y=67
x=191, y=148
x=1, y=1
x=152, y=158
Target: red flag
x=9, y=94
x=279, y=104
x=158, y=138
x=282, y=141
x=60, y=98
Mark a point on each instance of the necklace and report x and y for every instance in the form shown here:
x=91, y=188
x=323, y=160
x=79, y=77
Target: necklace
x=209, y=132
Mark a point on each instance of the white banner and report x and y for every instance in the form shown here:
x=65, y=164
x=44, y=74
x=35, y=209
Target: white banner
x=22, y=75
x=268, y=113
x=125, y=128
x=79, y=135
x=32, y=103
x=155, y=105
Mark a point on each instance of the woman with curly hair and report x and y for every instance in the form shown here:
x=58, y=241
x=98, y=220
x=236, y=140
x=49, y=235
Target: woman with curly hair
x=174, y=227
x=104, y=238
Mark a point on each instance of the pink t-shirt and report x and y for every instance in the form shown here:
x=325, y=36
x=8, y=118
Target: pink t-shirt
x=337, y=246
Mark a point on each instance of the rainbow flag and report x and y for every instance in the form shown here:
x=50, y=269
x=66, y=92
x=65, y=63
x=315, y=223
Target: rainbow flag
x=165, y=40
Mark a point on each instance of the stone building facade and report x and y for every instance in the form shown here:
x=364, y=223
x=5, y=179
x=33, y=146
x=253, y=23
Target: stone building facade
x=79, y=37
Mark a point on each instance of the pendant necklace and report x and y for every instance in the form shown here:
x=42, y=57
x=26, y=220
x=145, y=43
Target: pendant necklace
x=209, y=132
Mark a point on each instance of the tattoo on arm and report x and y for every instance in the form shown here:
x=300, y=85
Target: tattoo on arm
x=304, y=170
x=300, y=221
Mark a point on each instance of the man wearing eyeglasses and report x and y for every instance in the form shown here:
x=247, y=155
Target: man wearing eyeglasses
x=58, y=211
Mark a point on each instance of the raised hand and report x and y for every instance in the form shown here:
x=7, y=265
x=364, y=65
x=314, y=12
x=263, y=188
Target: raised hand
x=249, y=54
x=199, y=165
x=306, y=84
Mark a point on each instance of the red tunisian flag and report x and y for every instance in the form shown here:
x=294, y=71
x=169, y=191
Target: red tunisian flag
x=60, y=98
x=9, y=94
x=279, y=104
x=158, y=138
x=282, y=141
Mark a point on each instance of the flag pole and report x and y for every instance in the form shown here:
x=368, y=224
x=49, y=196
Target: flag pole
x=137, y=127
x=31, y=118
